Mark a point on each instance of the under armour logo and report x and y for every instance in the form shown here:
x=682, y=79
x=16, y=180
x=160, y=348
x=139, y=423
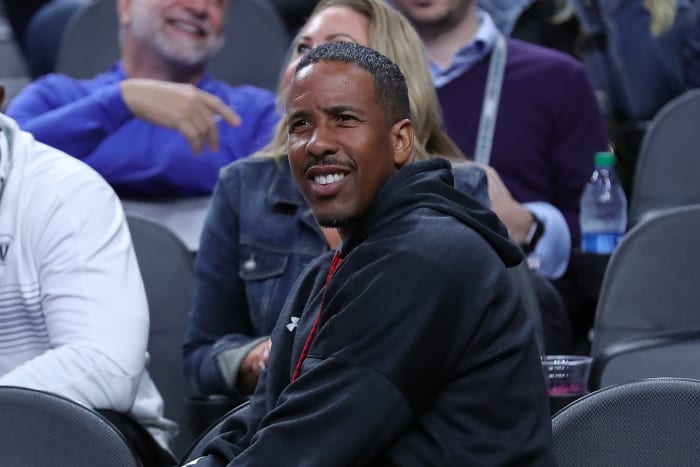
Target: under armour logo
x=5, y=242
x=292, y=324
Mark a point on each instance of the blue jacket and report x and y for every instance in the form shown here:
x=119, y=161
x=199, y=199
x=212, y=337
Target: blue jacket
x=258, y=236
x=691, y=50
x=89, y=119
x=634, y=73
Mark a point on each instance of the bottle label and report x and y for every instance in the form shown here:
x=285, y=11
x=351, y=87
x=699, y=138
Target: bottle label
x=600, y=242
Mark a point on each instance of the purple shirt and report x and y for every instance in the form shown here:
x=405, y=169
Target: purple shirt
x=548, y=127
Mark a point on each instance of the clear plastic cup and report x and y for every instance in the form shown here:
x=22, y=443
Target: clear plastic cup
x=566, y=378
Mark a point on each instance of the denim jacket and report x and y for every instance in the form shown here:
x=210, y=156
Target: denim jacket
x=633, y=72
x=258, y=236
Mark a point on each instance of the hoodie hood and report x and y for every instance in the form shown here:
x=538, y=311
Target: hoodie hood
x=430, y=184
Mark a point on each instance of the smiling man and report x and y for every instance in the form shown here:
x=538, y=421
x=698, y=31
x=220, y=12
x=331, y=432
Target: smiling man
x=141, y=123
x=394, y=359
x=333, y=141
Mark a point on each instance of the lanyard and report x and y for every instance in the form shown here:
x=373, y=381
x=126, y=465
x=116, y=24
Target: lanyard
x=492, y=96
x=334, y=265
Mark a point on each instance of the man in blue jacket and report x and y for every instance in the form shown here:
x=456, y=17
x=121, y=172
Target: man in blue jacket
x=142, y=123
x=408, y=346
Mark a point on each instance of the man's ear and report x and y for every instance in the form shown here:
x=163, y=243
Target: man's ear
x=402, y=134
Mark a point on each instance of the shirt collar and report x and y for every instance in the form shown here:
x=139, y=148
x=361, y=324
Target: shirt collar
x=472, y=52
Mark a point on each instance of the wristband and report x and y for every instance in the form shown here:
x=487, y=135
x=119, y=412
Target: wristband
x=533, y=235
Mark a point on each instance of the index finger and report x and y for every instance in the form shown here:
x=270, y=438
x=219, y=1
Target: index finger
x=218, y=106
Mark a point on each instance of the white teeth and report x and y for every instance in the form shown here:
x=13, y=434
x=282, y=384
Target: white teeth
x=328, y=179
x=188, y=28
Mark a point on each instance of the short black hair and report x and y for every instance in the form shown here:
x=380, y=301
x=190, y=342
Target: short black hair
x=389, y=83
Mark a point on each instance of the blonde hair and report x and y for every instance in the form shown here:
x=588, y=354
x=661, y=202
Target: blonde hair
x=393, y=36
x=663, y=15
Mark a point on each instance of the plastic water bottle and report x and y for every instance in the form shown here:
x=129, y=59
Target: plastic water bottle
x=603, y=208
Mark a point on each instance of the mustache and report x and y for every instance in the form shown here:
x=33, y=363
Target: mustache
x=324, y=161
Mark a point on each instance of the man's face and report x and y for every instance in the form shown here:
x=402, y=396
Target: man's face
x=332, y=24
x=341, y=147
x=185, y=32
x=433, y=13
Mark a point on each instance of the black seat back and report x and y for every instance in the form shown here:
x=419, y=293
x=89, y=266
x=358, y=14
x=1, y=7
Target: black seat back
x=40, y=429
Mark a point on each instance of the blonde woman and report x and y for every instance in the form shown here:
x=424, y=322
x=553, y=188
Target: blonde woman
x=260, y=233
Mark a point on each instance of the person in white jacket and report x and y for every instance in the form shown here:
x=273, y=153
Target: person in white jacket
x=73, y=311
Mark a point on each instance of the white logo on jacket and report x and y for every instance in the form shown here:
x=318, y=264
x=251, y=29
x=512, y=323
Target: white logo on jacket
x=293, y=323
x=5, y=242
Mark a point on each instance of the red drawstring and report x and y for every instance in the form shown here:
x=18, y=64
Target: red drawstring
x=334, y=265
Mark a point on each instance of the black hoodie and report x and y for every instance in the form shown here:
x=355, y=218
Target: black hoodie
x=430, y=184
x=423, y=355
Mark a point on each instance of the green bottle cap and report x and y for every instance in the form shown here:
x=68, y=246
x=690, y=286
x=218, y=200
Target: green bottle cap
x=604, y=159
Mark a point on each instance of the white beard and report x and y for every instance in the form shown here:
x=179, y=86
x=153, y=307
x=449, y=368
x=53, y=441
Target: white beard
x=177, y=49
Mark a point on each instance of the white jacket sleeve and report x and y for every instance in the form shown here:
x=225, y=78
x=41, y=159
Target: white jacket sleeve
x=92, y=295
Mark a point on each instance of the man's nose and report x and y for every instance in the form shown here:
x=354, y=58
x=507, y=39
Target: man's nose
x=199, y=6
x=322, y=142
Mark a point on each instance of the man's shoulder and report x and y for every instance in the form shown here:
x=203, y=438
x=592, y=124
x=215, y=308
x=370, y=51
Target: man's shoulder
x=54, y=86
x=543, y=76
x=257, y=169
x=38, y=165
x=59, y=79
x=48, y=165
x=62, y=89
x=541, y=60
x=62, y=192
x=444, y=232
x=528, y=67
x=428, y=239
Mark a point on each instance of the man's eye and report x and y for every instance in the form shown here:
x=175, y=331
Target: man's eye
x=297, y=125
x=302, y=49
x=346, y=118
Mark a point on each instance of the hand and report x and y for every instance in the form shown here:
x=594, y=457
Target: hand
x=182, y=107
x=514, y=215
x=253, y=365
